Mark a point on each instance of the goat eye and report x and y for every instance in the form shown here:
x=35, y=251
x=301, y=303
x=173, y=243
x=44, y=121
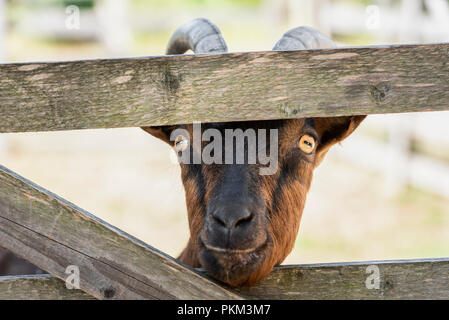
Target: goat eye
x=307, y=143
x=181, y=143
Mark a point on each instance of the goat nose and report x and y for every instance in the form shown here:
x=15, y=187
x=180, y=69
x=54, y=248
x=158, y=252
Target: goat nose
x=231, y=219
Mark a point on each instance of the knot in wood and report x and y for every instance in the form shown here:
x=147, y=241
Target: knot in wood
x=108, y=292
x=380, y=91
x=170, y=81
x=388, y=285
x=289, y=110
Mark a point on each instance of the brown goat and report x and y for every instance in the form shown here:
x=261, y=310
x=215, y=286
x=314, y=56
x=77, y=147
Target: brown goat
x=243, y=223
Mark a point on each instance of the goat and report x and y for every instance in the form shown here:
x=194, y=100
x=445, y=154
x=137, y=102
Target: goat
x=243, y=223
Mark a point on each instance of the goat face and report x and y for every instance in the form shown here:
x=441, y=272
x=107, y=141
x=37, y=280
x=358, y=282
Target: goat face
x=242, y=222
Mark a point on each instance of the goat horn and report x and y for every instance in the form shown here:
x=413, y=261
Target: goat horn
x=199, y=35
x=303, y=38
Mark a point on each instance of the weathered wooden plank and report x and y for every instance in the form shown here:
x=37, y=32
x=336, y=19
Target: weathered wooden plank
x=399, y=279
x=53, y=234
x=38, y=287
x=223, y=87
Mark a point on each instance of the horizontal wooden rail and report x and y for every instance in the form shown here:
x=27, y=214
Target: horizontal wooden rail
x=38, y=287
x=54, y=234
x=223, y=87
x=399, y=279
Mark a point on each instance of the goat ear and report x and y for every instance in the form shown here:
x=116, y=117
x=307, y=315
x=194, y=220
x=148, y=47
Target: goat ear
x=160, y=132
x=333, y=130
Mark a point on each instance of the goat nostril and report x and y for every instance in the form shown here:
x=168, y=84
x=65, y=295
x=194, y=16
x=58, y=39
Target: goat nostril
x=219, y=221
x=230, y=220
x=243, y=220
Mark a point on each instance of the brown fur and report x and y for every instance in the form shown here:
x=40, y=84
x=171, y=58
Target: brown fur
x=283, y=198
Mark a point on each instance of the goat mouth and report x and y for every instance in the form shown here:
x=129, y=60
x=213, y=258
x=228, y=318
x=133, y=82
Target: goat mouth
x=229, y=251
x=232, y=266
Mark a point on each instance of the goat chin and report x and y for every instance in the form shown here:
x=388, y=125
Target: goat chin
x=235, y=267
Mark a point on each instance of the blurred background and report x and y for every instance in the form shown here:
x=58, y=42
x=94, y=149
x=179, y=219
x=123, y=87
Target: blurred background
x=382, y=194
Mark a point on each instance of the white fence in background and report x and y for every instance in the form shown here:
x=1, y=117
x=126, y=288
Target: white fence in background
x=393, y=159
x=386, y=20
x=108, y=21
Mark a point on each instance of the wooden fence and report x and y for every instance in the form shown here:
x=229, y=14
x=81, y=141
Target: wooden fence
x=52, y=233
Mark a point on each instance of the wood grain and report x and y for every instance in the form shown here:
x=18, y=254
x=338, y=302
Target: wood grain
x=53, y=234
x=399, y=279
x=38, y=287
x=223, y=87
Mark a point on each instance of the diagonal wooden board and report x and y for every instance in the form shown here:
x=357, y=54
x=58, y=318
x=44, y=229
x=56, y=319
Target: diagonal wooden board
x=133, y=92
x=54, y=234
